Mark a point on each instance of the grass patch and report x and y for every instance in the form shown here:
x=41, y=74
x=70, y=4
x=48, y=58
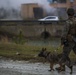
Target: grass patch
x=27, y=52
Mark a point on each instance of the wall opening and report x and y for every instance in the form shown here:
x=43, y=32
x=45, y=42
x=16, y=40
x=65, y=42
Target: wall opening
x=38, y=12
x=45, y=34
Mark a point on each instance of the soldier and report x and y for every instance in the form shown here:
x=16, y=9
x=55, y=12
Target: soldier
x=68, y=38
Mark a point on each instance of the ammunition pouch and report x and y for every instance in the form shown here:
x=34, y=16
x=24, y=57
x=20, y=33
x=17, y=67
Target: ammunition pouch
x=64, y=42
x=74, y=49
x=74, y=39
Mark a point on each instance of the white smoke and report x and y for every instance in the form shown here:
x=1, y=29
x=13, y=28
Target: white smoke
x=17, y=3
x=71, y=0
x=9, y=4
x=46, y=6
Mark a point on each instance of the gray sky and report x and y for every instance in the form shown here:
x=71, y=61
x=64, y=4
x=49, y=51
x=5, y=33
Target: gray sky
x=14, y=3
x=17, y=3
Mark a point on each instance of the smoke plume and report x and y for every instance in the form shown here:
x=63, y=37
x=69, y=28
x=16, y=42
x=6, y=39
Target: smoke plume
x=71, y=0
x=46, y=6
x=16, y=4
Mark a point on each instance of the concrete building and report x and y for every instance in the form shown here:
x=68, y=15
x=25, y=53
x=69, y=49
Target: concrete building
x=35, y=11
x=31, y=11
x=27, y=11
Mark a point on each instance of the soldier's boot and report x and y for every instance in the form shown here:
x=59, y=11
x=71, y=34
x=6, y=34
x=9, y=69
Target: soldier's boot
x=51, y=67
x=62, y=68
x=71, y=68
x=51, y=70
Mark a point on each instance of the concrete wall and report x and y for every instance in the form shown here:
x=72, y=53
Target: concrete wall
x=34, y=30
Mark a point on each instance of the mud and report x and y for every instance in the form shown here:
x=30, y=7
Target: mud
x=10, y=67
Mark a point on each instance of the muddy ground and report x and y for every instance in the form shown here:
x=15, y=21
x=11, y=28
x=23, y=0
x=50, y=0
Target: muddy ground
x=10, y=67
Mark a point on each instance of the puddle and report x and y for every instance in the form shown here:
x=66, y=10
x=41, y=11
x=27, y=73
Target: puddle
x=10, y=67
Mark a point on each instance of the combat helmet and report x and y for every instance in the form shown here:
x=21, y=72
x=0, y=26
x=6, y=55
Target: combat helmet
x=70, y=12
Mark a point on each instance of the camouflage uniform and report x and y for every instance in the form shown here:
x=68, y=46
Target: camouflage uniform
x=69, y=34
x=68, y=40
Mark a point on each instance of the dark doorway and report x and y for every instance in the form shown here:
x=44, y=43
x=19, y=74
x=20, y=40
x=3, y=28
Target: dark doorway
x=45, y=34
x=38, y=12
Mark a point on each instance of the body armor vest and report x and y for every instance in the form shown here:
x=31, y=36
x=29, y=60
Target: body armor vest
x=72, y=27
